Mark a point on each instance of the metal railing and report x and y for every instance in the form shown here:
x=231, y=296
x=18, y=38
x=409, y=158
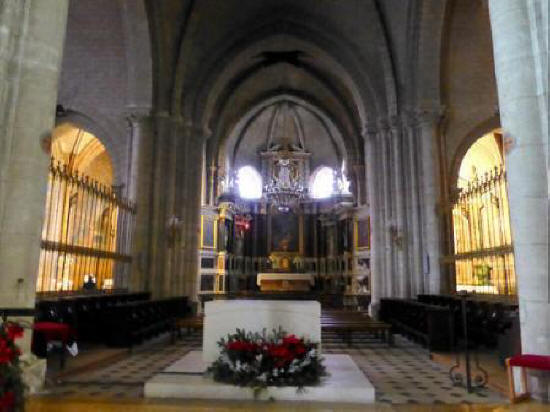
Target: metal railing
x=86, y=233
x=483, y=248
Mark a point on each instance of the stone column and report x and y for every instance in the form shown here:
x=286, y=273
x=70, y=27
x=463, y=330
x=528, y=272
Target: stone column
x=414, y=215
x=212, y=185
x=374, y=201
x=520, y=30
x=31, y=39
x=160, y=219
x=175, y=167
x=384, y=148
x=428, y=131
x=192, y=209
x=140, y=191
x=400, y=221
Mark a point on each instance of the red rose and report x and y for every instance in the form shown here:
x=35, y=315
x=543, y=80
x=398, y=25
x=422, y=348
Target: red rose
x=6, y=353
x=291, y=340
x=7, y=401
x=236, y=345
x=14, y=331
x=280, y=352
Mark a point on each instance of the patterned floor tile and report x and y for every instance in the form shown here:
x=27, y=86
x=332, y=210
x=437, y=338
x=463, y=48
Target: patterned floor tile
x=401, y=374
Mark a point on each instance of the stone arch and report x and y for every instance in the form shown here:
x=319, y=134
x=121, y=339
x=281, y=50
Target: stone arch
x=479, y=130
x=139, y=63
x=235, y=131
x=100, y=132
x=427, y=73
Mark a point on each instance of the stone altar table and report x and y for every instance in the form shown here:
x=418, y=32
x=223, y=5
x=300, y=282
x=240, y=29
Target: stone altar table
x=185, y=378
x=285, y=281
x=221, y=317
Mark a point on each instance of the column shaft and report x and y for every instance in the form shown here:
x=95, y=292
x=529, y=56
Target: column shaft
x=35, y=31
x=375, y=213
x=522, y=81
x=399, y=243
x=386, y=221
x=414, y=216
x=140, y=192
x=430, y=197
x=31, y=35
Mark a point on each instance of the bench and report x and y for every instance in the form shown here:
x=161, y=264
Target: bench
x=538, y=362
x=431, y=325
x=192, y=323
x=346, y=322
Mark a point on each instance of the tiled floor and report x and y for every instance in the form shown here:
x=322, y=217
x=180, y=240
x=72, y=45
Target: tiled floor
x=402, y=374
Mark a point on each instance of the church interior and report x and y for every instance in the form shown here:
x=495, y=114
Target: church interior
x=372, y=175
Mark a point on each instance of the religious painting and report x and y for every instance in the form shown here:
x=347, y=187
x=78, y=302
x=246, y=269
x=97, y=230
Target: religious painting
x=285, y=232
x=208, y=227
x=363, y=233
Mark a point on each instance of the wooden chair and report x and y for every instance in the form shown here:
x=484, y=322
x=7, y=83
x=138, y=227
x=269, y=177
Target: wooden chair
x=539, y=362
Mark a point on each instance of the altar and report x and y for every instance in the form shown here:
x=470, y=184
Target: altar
x=283, y=282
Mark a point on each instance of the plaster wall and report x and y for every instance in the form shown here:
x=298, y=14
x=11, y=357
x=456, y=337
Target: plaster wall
x=94, y=71
x=468, y=77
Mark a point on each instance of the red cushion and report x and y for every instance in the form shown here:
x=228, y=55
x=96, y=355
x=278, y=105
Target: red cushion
x=53, y=330
x=531, y=361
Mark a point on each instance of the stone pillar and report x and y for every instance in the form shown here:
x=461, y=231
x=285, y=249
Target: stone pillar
x=175, y=167
x=212, y=185
x=374, y=201
x=428, y=131
x=414, y=215
x=160, y=218
x=31, y=35
x=384, y=147
x=192, y=209
x=140, y=191
x=520, y=31
x=399, y=225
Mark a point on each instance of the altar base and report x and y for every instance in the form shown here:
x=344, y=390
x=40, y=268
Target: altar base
x=184, y=379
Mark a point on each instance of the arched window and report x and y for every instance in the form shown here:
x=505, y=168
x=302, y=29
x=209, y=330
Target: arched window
x=322, y=185
x=249, y=182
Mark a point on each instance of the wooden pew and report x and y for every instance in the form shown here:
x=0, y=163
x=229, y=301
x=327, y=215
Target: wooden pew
x=346, y=322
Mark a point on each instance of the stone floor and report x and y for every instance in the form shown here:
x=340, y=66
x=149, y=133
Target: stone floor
x=402, y=374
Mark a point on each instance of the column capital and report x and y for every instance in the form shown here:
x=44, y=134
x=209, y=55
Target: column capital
x=137, y=113
x=429, y=116
x=369, y=131
x=193, y=128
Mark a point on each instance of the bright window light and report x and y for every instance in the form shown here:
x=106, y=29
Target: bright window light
x=250, y=183
x=323, y=183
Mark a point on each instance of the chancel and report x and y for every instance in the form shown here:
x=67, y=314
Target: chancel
x=239, y=199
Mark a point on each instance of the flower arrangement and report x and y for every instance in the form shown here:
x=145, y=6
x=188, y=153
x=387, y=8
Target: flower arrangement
x=260, y=360
x=11, y=382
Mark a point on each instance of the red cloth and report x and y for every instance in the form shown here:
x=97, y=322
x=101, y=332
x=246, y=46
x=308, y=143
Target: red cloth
x=53, y=331
x=540, y=362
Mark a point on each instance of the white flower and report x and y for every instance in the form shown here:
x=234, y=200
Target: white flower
x=259, y=357
x=312, y=353
x=275, y=372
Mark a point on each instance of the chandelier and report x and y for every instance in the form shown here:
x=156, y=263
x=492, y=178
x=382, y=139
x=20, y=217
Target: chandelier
x=285, y=189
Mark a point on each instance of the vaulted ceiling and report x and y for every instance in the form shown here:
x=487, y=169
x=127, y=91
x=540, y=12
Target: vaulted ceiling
x=216, y=61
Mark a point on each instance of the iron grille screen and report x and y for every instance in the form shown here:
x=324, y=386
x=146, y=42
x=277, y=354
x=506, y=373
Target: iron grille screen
x=483, y=258
x=86, y=234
